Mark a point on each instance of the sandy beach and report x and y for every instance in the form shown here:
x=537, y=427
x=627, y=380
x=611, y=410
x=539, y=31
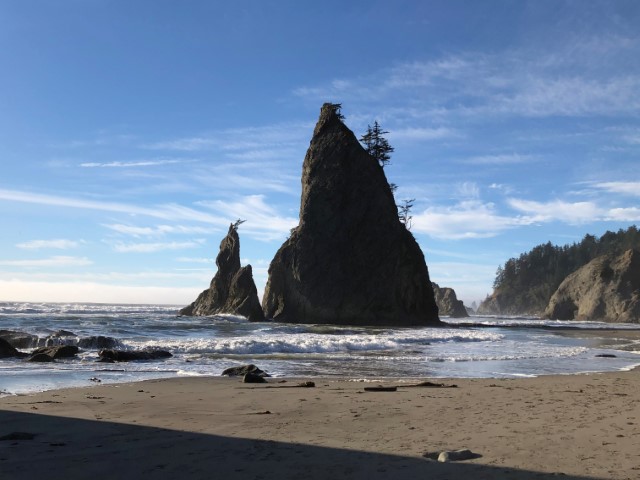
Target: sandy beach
x=576, y=427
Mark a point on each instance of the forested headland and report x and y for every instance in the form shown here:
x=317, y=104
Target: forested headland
x=525, y=284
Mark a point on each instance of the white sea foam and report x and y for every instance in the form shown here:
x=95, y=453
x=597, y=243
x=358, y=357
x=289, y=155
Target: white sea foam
x=309, y=343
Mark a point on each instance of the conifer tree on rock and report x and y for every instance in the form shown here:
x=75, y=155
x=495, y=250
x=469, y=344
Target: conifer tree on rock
x=232, y=289
x=376, y=145
x=350, y=260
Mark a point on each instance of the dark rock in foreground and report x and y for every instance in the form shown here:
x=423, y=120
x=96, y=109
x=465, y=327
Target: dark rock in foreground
x=60, y=351
x=605, y=289
x=131, y=355
x=8, y=351
x=40, y=358
x=253, y=378
x=448, y=303
x=243, y=370
x=19, y=339
x=232, y=289
x=350, y=261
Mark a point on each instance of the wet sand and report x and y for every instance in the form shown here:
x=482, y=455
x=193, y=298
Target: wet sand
x=571, y=427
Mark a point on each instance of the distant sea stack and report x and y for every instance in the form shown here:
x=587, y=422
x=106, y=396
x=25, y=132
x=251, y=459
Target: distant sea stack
x=448, y=303
x=605, y=289
x=350, y=261
x=232, y=289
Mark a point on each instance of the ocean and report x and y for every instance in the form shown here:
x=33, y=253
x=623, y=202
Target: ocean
x=488, y=347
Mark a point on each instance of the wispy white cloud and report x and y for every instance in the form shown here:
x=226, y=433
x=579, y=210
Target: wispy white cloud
x=167, y=212
x=467, y=219
x=256, y=139
x=195, y=260
x=55, y=261
x=423, y=134
x=474, y=219
x=155, y=247
x=467, y=190
x=623, y=214
x=58, y=243
x=498, y=159
x=262, y=220
x=190, y=144
x=573, y=213
x=140, y=163
x=158, y=230
x=625, y=188
x=577, y=79
x=501, y=187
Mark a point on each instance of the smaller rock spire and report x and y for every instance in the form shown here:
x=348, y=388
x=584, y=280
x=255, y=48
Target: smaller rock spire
x=232, y=289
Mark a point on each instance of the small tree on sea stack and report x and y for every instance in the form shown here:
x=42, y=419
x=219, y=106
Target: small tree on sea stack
x=376, y=145
x=404, y=212
x=337, y=109
x=237, y=223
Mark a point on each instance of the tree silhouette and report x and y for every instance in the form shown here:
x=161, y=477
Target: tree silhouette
x=404, y=212
x=237, y=223
x=376, y=145
x=337, y=109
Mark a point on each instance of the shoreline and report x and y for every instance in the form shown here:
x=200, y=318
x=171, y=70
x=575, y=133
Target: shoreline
x=581, y=425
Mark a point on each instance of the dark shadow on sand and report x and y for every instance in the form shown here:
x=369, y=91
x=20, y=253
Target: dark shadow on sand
x=108, y=450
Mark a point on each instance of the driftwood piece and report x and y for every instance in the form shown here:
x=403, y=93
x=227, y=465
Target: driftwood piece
x=431, y=385
x=380, y=389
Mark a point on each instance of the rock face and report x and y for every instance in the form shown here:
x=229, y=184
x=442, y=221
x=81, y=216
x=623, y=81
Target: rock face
x=606, y=289
x=8, y=351
x=59, y=351
x=108, y=355
x=232, y=289
x=244, y=370
x=349, y=261
x=19, y=339
x=448, y=303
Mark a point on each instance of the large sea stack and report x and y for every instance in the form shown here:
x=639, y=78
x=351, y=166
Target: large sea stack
x=606, y=289
x=232, y=289
x=350, y=261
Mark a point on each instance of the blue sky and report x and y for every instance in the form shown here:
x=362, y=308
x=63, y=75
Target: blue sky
x=133, y=133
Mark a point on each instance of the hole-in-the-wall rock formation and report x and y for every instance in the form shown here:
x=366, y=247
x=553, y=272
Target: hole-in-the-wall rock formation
x=350, y=260
x=232, y=289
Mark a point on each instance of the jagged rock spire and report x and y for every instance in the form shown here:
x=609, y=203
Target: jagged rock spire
x=350, y=260
x=232, y=289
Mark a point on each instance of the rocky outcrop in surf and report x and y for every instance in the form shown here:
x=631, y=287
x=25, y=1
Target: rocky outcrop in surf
x=448, y=303
x=9, y=351
x=232, y=289
x=605, y=289
x=350, y=260
x=109, y=356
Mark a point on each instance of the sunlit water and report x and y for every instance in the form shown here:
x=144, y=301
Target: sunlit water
x=475, y=347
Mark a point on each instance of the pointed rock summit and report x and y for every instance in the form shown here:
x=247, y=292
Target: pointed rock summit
x=232, y=289
x=350, y=261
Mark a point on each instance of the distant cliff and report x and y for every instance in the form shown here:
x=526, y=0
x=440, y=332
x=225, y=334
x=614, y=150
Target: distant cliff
x=232, y=289
x=350, y=260
x=448, y=303
x=524, y=285
x=605, y=289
